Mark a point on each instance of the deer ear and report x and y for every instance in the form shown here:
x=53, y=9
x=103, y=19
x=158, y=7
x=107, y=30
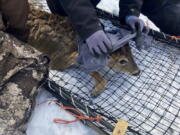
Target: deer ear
x=112, y=54
x=128, y=48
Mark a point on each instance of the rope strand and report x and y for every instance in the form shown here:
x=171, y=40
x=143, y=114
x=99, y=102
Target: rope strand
x=72, y=111
x=175, y=37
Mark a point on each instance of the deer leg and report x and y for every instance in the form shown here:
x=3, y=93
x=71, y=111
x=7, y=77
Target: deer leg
x=100, y=84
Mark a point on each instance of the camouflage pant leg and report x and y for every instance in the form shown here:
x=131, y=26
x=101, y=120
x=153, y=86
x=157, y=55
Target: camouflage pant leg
x=22, y=70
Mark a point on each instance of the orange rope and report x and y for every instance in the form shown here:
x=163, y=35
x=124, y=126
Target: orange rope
x=79, y=116
x=175, y=37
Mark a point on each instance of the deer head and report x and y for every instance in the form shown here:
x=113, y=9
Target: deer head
x=122, y=60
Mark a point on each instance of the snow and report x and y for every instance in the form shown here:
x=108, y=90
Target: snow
x=41, y=122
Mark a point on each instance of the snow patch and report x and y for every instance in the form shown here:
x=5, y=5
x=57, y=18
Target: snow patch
x=41, y=122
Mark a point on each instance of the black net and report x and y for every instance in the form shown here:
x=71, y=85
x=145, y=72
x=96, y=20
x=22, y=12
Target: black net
x=149, y=102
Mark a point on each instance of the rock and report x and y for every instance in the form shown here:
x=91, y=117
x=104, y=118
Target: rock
x=22, y=70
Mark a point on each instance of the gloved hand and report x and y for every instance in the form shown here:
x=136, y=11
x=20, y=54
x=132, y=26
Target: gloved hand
x=136, y=24
x=87, y=61
x=99, y=43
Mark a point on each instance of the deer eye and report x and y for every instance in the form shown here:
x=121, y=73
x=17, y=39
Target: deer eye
x=123, y=62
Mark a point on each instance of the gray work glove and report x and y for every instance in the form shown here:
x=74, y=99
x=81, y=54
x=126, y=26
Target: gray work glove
x=98, y=43
x=87, y=61
x=137, y=25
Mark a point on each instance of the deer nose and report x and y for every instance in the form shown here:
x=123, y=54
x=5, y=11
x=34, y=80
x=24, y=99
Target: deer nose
x=136, y=73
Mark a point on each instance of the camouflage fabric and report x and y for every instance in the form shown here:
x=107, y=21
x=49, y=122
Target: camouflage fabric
x=22, y=71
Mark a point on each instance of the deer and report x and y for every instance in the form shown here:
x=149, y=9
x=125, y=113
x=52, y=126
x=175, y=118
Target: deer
x=57, y=40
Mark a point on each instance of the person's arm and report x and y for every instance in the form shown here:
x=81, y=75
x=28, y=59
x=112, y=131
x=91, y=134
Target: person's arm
x=83, y=16
x=130, y=8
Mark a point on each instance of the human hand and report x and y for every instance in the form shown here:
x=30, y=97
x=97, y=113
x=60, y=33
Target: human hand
x=99, y=43
x=136, y=24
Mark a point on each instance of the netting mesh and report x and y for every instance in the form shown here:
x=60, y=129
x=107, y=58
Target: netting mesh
x=149, y=102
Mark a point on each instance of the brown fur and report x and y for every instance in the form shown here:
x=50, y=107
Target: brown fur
x=122, y=60
x=54, y=36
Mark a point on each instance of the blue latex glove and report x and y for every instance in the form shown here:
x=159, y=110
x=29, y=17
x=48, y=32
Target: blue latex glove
x=135, y=23
x=98, y=43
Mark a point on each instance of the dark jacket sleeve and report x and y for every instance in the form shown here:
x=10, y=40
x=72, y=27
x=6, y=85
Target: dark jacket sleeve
x=83, y=16
x=129, y=7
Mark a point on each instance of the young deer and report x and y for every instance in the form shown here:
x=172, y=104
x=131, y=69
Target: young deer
x=54, y=36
